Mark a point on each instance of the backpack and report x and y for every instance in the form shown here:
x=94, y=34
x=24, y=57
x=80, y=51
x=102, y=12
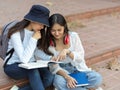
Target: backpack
x=4, y=40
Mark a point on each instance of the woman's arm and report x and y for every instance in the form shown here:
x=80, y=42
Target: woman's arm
x=56, y=69
x=71, y=82
x=39, y=54
x=77, y=54
x=26, y=53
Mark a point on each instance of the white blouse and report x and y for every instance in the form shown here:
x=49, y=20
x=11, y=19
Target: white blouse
x=75, y=47
x=23, y=50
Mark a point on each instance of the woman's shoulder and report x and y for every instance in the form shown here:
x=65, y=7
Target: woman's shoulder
x=16, y=34
x=72, y=33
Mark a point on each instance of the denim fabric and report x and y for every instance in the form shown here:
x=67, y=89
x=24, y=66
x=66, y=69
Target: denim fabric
x=61, y=84
x=94, y=79
x=34, y=76
x=68, y=67
x=47, y=77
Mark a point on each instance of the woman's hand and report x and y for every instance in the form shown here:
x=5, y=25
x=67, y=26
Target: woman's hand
x=71, y=82
x=37, y=35
x=53, y=58
x=63, y=54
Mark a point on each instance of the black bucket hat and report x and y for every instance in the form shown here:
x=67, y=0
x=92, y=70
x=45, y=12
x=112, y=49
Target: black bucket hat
x=38, y=14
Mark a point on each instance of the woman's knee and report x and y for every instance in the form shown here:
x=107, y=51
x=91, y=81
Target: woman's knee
x=98, y=79
x=59, y=82
x=15, y=72
x=95, y=79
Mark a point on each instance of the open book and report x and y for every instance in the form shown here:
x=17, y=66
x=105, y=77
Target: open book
x=38, y=64
x=81, y=78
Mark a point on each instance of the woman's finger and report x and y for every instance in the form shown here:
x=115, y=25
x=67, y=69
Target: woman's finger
x=71, y=85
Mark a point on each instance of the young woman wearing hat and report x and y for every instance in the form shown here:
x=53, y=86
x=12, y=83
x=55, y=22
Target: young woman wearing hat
x=65, y=46
x=33, y=25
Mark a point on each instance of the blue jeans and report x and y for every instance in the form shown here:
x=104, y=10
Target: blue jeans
x=34, y=76
x=47, y=77
x=94, y=78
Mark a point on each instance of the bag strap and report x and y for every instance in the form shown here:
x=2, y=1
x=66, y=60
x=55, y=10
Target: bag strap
x=4, y=28
x=12, y=50
x=22, y=34
x=11, y=53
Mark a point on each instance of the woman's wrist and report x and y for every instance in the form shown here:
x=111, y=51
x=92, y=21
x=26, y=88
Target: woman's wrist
x=68, y=52
x=66, y=77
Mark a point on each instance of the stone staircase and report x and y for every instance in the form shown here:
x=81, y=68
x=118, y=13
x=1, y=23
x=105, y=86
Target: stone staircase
x=6, y=83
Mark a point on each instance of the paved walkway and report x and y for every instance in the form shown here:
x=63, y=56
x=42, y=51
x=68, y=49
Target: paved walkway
x=95, y=33
x=111, y=78
x=12, y=9
x=99, y=35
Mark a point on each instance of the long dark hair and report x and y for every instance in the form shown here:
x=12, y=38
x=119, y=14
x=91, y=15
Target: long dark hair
x=41, y=41
x=59, y=19
x=18, y=27
x=21, y=25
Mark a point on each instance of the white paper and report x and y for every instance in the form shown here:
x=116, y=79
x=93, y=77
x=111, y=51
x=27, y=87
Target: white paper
x=38, y=64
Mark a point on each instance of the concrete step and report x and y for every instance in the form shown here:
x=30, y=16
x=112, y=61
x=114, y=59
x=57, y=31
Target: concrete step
x=91, y=14
x=72, y=10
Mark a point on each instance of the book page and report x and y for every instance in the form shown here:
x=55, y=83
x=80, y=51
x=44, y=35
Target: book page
x=38, y=64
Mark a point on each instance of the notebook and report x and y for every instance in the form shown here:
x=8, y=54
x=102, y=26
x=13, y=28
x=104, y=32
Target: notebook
x=38, y=64
x=81, y=78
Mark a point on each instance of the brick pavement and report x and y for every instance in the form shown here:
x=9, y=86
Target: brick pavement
x=93, y=47
x=12, y=9
x=111, y=80
x=99, y=35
